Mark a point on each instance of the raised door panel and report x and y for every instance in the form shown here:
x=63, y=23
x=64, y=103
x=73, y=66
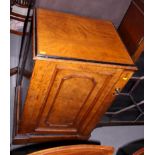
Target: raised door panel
x=69, y=92
x=71, y=98
x=72, y=95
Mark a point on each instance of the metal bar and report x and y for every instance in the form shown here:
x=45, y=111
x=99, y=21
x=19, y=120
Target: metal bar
x=136, y=104
x=17, y=32
x=137, y=78
x=134, y=86
x=124, y=109
x=111, y=115
x=20, y=16
x=138, y=117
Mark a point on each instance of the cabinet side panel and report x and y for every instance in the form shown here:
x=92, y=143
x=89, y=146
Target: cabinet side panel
x=37, y=91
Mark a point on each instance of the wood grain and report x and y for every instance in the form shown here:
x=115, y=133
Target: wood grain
x=66, y=98
x=77, y=150
x=60, y=104
x=70, y=36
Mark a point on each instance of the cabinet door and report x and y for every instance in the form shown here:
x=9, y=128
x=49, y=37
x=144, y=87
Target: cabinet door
x=63, y=98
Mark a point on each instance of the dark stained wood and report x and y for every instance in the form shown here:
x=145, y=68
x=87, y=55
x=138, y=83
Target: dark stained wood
x=23, y=3
x=77, y=150
x=18, y=15
x=66, y=98
x=131, y=29
x=14, y=71
x=27, y=74
x=36, y=138
x=17, y=110
x=140, y=4
x=16, y=32
x=139, y=152
x=139, y=51
x=18, y=18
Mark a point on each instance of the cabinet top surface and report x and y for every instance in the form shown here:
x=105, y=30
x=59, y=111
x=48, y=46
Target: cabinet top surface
x=73, y=37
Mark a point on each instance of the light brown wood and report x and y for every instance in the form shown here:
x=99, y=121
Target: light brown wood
x=70, y=36
x=66, y=90
x=67, y=97
x=77, y=150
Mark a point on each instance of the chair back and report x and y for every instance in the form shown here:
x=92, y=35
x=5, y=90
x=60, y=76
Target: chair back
x=23, y=3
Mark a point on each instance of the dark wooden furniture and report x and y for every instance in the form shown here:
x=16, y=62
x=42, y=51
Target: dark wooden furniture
x=22, y=3
x=127, y=109
x=80, y=65
x=139, y=152
x=131, y=29
x=34, y=147
x=21, y=13
x=77, y=150
x=133, y=148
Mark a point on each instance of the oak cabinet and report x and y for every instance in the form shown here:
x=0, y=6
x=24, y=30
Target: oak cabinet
x=79, y=63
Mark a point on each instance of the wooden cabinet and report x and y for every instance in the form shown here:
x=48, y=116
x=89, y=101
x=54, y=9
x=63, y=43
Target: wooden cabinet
x=79, y=62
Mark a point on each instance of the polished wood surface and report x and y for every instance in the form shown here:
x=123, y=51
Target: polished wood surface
x=58, y=86
x=22, y=3
x=77, y=150
x=78, y=37
x=66, y=98
x=131, y=29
